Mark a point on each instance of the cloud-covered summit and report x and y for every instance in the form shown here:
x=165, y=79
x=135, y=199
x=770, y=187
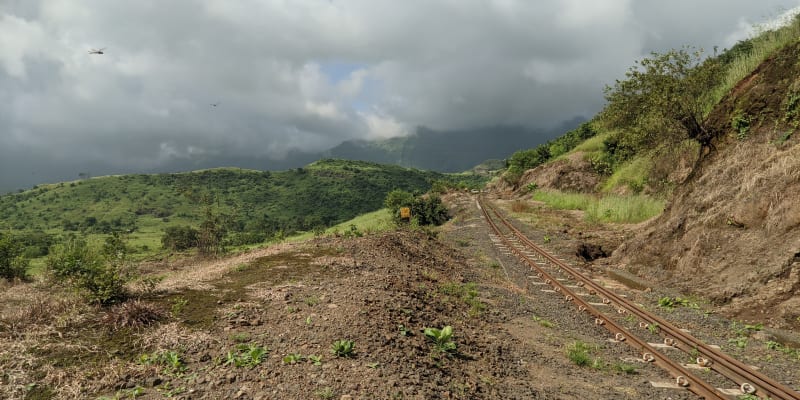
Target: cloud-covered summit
x=308, y=74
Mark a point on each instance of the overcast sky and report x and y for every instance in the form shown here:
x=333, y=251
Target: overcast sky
x=307, y=74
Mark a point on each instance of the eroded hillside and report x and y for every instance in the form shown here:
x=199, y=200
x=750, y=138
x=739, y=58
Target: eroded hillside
x=731, y=232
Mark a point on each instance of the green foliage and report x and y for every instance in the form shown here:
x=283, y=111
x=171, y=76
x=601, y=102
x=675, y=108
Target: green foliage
x=170, y=360
x=468, y=293
x=426, y=210
x=612, y=208
x=179, y=238
x=578, y=353
x=292, y=358
x=212, y=231
x=36, y=243
x=740, y=342
x=248, y=206
x=343, y=348
x=792, y=109
x=101, y=277
x=624, y=209
x=773, y=345
x=663, y=99
x=626, y=368
x=633, y=174
x=13, y=265
x=543, y=322
x=442, y=338
x=672, y=302
x=178, y=304
x=524, y=160
x=315, y=359
x=740, y=123
x=744, y=57
x=245, y=355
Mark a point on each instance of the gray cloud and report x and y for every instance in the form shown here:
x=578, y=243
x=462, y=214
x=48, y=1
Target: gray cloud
x=307, y=74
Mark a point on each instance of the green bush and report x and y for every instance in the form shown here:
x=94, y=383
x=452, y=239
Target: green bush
x=13, y=265
x=426, y=210
x=101, y=278
x=179, y=238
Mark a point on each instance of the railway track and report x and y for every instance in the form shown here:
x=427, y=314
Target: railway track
x=592, y=297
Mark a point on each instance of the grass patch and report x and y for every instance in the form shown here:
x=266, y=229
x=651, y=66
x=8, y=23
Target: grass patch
x=593, y=144
x=625, y=209
x=467, y=292
x=563, y=200
x=611, y=208
x=632, y=174
x=372, y=222
x=763, y=45
x=580, y=354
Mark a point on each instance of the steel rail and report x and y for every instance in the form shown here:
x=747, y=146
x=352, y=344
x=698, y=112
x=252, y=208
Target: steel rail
x=724, y=364
x=682, y=375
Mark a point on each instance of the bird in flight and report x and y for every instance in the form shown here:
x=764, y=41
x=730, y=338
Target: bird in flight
x=97, y=51
x=214, y=104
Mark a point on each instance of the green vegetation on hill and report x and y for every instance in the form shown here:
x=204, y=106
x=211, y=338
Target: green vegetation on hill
x=250, y=206
x=659, y=115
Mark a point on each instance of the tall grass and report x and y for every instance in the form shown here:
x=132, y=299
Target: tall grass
x=593, y=144
x=610, y=208
x=564, y=200
x=632, y=174
x=764, y=45
x=624, y=209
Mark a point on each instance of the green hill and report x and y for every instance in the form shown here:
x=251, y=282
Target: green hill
x=253, y=205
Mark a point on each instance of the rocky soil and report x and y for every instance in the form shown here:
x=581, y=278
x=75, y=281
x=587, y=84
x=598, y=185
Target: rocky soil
x=261, y=325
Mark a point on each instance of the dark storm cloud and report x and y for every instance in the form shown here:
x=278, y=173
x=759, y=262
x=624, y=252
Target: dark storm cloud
x=305, y=75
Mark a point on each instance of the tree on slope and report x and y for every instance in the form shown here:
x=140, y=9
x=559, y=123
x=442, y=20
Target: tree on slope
x=663, y=99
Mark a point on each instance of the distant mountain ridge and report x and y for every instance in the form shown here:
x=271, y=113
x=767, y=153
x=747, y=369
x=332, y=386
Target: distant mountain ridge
x=449, y=151
x=428, y=149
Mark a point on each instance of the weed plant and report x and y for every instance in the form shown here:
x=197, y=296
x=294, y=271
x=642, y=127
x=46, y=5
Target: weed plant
x=442, y=338
x=343, y=348
x=245, y=356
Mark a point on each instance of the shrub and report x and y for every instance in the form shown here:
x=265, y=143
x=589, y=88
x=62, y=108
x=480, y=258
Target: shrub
x=179, y=238
x=102, y=279
x=427, y=210
x=12, y=263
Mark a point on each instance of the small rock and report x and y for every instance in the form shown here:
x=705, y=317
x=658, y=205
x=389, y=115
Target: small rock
x=346, y=397
x=153, y=381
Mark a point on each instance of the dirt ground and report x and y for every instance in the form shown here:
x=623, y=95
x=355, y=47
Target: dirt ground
x=261, y=325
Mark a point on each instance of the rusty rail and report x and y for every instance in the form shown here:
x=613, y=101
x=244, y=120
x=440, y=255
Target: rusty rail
x=750, y=382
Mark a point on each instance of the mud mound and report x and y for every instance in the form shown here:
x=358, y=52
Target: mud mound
x=571, y=174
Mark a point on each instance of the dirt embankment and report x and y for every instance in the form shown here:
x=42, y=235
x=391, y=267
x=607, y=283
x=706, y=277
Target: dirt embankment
x=572, y=173
x=731, y=233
